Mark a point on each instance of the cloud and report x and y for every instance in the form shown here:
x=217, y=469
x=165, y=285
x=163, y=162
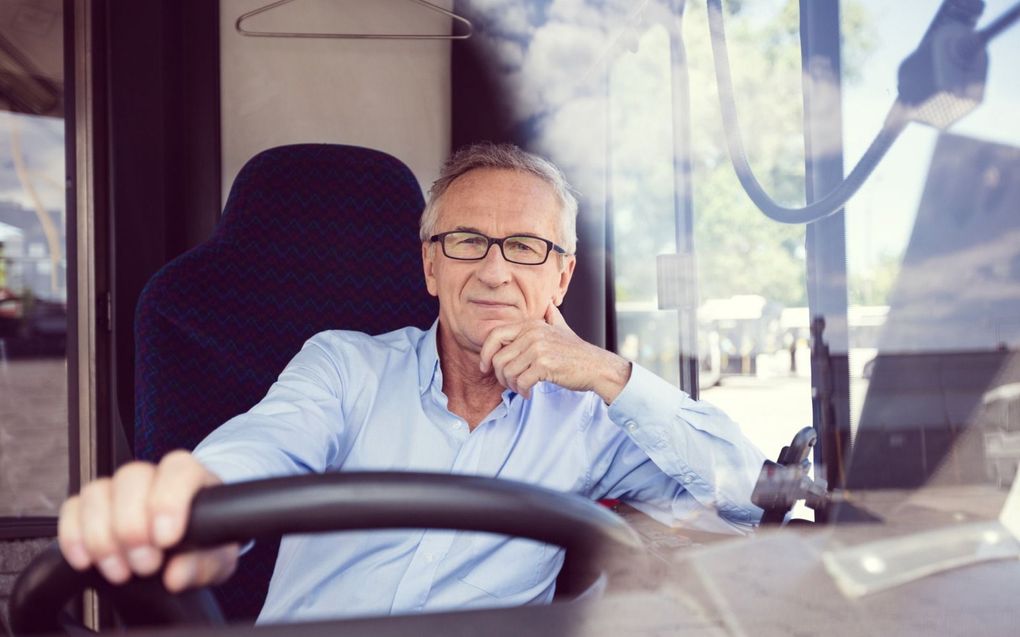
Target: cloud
x=551, y=59
x=557, y=66
x=548, y=54
x=515, y=18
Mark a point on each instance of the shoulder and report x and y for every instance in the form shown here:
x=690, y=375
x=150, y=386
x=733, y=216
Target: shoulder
x=346, y=343
x=354, y=358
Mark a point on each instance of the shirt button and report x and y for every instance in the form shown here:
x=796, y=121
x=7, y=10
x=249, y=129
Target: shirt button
x=631, y=426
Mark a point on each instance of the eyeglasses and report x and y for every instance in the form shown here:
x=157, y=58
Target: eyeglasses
x=473, y=246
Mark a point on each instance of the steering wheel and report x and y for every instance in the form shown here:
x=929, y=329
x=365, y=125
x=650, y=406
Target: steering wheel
x=332, y=502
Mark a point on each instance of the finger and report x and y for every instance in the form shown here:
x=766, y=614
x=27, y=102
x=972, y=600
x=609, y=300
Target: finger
x=527, y=380
x=130, y=488
x=181, y=571
x=69, y=535
x=221, y=566
x=553, y=316
x=95, y=516
x=497, y=338
x=177, y=479
x=500, y=360
x=513, y=366
x=200, y=568
x=510, y=352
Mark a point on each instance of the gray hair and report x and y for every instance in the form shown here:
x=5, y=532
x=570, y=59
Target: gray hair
x=509, y=157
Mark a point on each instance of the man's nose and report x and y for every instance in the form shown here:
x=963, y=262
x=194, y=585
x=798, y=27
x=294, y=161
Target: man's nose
x=494, y=270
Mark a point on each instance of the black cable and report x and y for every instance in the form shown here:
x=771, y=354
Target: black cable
x=1000, y=24
x=895, y=122
x=898, y=117
x=980, y=39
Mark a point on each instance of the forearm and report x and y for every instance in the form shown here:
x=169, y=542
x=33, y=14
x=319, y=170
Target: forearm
x=692, y=442
x=611, y=376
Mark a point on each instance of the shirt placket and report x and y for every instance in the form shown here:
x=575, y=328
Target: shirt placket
x=416, y=585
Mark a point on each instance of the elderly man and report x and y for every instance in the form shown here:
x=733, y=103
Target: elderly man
x=499, y=386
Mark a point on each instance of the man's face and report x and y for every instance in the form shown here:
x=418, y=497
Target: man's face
x=476, y=296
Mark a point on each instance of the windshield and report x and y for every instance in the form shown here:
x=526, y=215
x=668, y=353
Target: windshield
x=891, y=326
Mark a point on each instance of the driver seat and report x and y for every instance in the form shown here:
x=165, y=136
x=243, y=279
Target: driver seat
x=312, y=237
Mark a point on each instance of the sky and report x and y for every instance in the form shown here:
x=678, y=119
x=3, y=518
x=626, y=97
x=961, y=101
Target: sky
x=881, y=216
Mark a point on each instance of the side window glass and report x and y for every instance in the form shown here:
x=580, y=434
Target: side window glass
x=33, y=263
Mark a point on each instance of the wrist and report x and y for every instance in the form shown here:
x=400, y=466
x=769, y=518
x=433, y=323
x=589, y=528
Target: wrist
x=613, y=377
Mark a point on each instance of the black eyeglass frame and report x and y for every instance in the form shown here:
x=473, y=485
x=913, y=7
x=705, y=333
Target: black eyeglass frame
x=550, y=246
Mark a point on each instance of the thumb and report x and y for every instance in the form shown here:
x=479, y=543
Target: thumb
x=553, y=316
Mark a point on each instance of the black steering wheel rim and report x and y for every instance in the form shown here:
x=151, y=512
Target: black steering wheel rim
x=334, y=502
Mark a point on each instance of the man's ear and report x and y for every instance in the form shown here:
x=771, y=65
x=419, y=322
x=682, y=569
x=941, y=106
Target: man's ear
x=566, y=273
x=428, y=263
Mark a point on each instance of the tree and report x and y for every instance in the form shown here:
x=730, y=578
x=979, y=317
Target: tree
x=739, y=250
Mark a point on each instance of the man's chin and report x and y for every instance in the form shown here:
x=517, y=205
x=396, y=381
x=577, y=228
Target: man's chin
x=487, y=325
x=483, y=327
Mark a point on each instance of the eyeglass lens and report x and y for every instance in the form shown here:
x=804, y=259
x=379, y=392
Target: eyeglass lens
x=519, y=249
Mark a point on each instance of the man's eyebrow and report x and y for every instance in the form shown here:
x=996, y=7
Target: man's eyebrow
x=467, y=229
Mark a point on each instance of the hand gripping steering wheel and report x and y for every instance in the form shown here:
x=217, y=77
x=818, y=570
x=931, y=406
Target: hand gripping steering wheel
x=333, y=502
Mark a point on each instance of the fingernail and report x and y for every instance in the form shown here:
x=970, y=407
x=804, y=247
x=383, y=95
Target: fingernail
x=144, y=560
x=114, y=569
x=164, y=530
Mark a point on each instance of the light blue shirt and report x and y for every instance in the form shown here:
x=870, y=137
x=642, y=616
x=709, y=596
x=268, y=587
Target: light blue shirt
x=353, y=402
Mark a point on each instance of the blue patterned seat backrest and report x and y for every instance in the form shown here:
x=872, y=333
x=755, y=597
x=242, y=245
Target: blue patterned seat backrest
x=313, y=237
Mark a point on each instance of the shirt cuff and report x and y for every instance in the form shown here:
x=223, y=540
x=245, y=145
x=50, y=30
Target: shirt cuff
x=648, y=403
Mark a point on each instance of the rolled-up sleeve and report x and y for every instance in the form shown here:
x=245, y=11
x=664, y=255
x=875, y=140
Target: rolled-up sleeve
x=660, y=448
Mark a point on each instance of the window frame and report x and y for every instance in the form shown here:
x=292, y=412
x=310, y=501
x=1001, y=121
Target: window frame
x=32, y=527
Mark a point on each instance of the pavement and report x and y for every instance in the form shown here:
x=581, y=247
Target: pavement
x=769, y=410
x=33, y=436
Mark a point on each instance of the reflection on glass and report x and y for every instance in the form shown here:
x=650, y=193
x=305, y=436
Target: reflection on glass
x=641, y=196
x=33, y=265
x=751, y=271
x=945, y=358
x=932, y=246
